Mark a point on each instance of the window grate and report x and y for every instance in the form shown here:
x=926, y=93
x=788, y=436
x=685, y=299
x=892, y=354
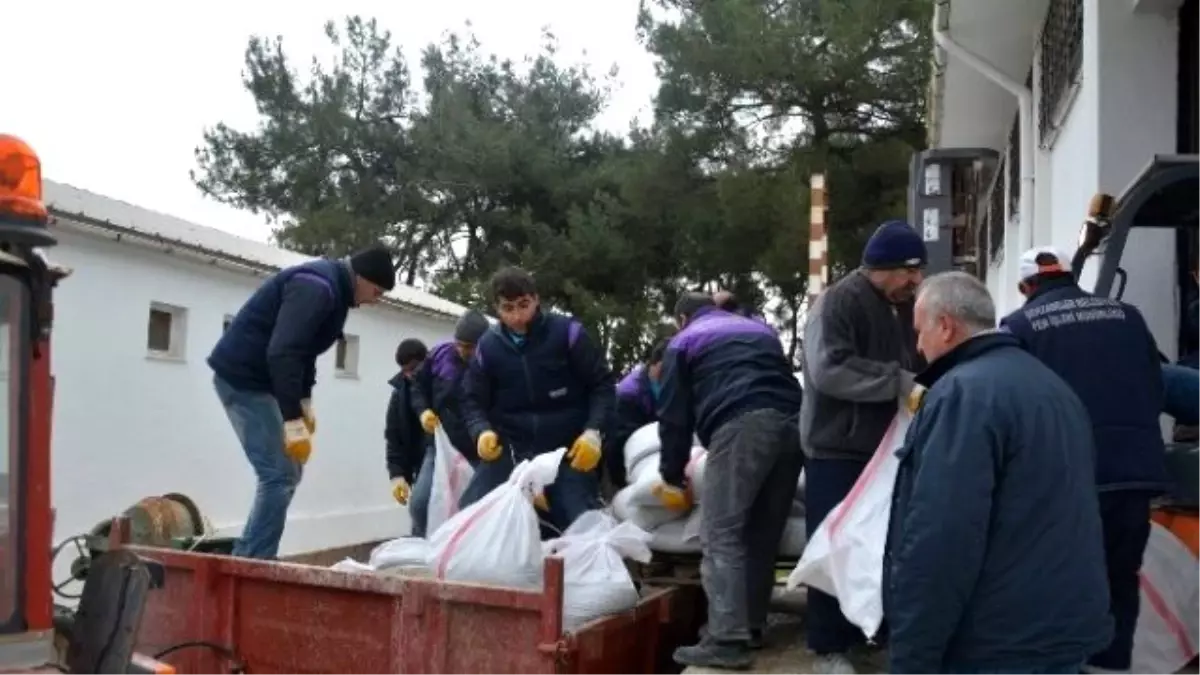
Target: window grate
x=996, y=212
x=1014, y=166
x=1060, y=62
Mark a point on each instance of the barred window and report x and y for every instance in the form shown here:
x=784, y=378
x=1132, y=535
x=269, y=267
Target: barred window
x=1061, y=60
x=996, y=212
x=1014, y=166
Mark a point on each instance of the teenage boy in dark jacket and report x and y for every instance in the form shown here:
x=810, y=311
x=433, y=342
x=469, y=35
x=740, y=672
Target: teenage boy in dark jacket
x=637, y=400
x=436, y=396
x=409, y=455
x=537, y=383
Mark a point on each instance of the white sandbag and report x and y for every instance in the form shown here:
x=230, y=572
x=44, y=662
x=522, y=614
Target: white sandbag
x=632, y=505
x=670, y=538
x=451, y=474
x=798, y=508
x=641, y=443
x=351, y=565
x=497, y=539
x=1165, y=637
x=795, y=537
x=402, y=552
x=844, y=557
x=645, y=471
x=596, y=582
x=694, y=471
x=683, y=536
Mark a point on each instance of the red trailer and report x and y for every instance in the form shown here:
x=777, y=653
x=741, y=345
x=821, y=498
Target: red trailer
x=210, y=613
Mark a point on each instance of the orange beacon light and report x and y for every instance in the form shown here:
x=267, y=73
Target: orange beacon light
x=20, y=182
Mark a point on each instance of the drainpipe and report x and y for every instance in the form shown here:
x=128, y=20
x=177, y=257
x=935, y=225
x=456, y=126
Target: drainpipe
x=1024, y=113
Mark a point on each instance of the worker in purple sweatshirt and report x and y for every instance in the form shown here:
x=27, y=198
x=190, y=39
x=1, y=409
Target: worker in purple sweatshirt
x=637, y=398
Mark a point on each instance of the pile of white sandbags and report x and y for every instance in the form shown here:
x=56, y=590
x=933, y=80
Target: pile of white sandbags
x=672, y=532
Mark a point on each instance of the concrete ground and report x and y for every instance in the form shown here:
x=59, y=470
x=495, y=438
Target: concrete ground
x=785, y=651
x=786, y=655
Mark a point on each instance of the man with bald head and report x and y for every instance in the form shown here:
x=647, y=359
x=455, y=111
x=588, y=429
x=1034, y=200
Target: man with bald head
x=995, y=559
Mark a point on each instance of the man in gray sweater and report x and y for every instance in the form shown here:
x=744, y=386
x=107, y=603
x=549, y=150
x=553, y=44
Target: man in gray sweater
x=859, y=361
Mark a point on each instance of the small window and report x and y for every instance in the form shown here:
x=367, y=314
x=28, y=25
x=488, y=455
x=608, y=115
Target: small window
x=226, y=323
x=166, y=330
x=346, y=359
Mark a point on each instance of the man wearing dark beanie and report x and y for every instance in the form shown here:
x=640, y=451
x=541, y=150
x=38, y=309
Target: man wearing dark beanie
x=264, y=369
x=859, y=360
x=436, y=397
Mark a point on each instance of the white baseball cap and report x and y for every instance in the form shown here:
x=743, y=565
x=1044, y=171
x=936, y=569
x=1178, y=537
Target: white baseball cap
x=1042, y=260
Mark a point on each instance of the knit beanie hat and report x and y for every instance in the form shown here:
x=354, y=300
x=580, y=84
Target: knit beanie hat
x=471, y=327
x=375, y=265
x=894, y=244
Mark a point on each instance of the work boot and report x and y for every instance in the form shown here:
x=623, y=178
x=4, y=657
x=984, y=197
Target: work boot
x=833, y=664
x=712, y=654
x=755, y=643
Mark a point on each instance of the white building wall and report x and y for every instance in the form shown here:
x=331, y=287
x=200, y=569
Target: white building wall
x=127, y=425
x=1137, y=109
x=1121, y=113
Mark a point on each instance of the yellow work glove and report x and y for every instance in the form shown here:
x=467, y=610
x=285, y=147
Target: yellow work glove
x=488, y=446
x=310, y=420
x=429, y=421
x=915, y=398
x=585, y=451
x=400, y=490
x=672, y=497
x=297, y=441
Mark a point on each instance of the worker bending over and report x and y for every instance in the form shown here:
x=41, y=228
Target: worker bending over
x=265, y=366
x=409, y=454
x=537, y=383
x=725, y=378
x=994, y=560
x=637, y=400
x=729, y=302
x=1104, y=350
x=436, y=396
x=859, y=360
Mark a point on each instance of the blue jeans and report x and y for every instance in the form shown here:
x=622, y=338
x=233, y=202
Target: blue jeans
x=1182, y=386
x=1069, y=668
x=258, y=424
x=418, y=501
x=572, y=493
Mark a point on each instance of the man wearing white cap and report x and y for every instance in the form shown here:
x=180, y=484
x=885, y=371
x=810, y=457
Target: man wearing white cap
x=1105, y=351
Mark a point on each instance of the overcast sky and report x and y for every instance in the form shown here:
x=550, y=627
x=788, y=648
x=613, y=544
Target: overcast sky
x=114, y=95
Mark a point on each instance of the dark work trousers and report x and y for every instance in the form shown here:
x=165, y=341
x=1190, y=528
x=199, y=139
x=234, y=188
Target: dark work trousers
x=826, y=483
x=752, y=469
x=1125, y=516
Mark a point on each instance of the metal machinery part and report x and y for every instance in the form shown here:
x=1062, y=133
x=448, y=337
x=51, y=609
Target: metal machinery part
x=169, y=521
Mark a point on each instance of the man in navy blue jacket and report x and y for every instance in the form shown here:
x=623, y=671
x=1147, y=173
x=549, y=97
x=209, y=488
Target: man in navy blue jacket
x=408, y=455
x=264, y=369
x=1105, y=351
x=637, y=400
x=436, y=398
x=537, y=383
x=726, y=379
x=994, y=559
